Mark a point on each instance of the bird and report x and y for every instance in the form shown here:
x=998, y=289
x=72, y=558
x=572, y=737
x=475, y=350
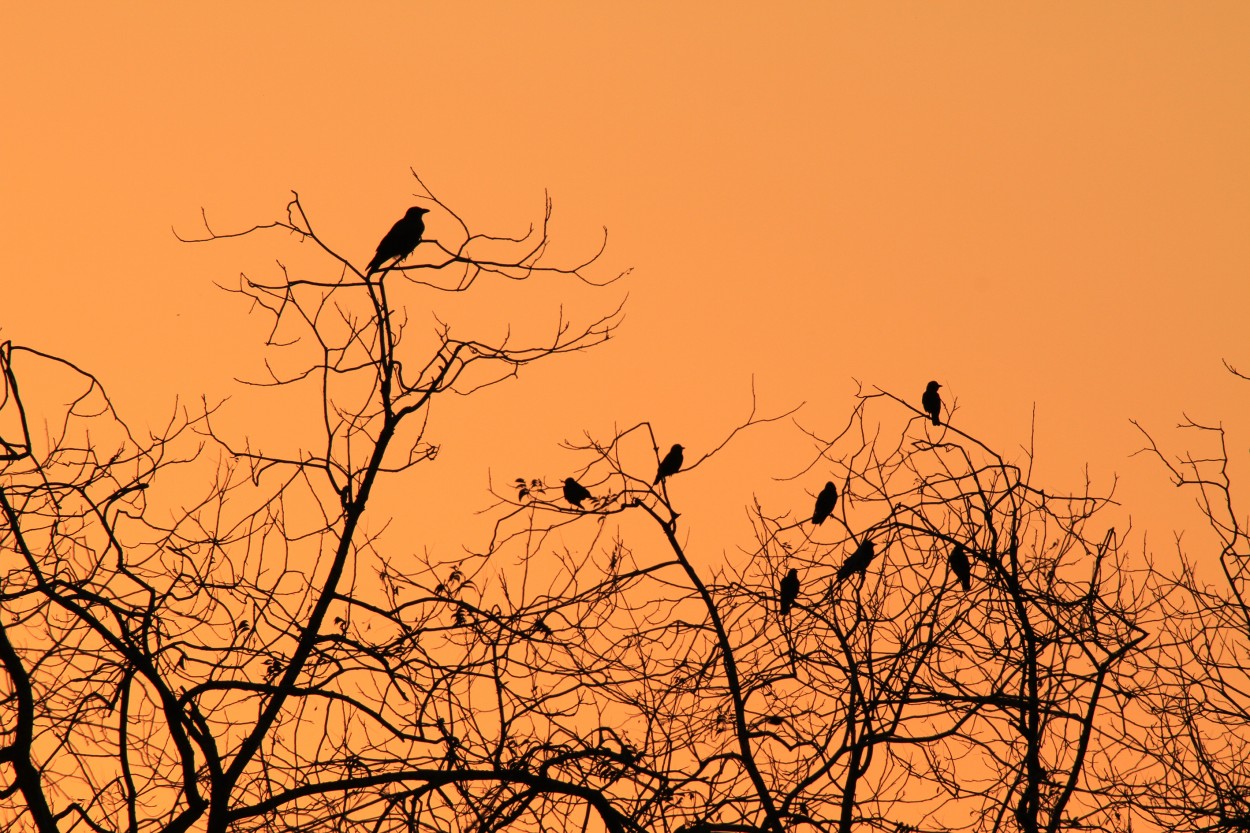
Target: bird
x=400, y=240
x=788, y=592
x=824, y=503
x=575, y=492
x=932, y=402
x=858, y=561
x=960, y=566
x=671, y=464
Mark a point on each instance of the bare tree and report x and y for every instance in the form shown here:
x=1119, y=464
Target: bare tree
x=1194, y=739
x=888, y=698
x=200, y=634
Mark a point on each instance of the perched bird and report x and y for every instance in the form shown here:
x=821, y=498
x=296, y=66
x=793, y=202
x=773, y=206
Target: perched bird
x=788, y=592
x=858, y=561
x=960, y=566
x=824, y=503
x=671, y=464
x=931, y=402
x=575, y=492
x=400, y=240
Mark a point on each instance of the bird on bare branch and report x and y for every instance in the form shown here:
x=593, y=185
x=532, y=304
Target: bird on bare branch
x=575, y=492
x=788, y=592
x=825, y=502
x=401, y=240
x=671, y=464
x=858, y=561
x=961, y=566
x=932, y=402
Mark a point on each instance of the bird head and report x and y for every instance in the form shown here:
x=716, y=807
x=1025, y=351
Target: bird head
x=678, y=447
x=933, y=386
x=417, y=211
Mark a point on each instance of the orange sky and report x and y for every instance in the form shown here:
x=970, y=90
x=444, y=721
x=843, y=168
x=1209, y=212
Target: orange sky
x=1037, y=204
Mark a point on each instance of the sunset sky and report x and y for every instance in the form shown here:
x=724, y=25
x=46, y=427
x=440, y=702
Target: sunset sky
x=1046, y=207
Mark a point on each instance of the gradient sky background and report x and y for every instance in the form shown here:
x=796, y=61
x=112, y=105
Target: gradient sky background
x=1043, y=206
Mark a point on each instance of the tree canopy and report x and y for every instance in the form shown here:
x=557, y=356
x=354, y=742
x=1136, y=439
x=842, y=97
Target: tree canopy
x=197, y=633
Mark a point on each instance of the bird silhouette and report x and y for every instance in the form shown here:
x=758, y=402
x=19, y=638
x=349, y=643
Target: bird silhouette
x=788, y=591
x=960, y=566
x=858, y=561
x=575, y=492
x=932, y=402
x=400, y=240
x=671, y=464
x=824, y=503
